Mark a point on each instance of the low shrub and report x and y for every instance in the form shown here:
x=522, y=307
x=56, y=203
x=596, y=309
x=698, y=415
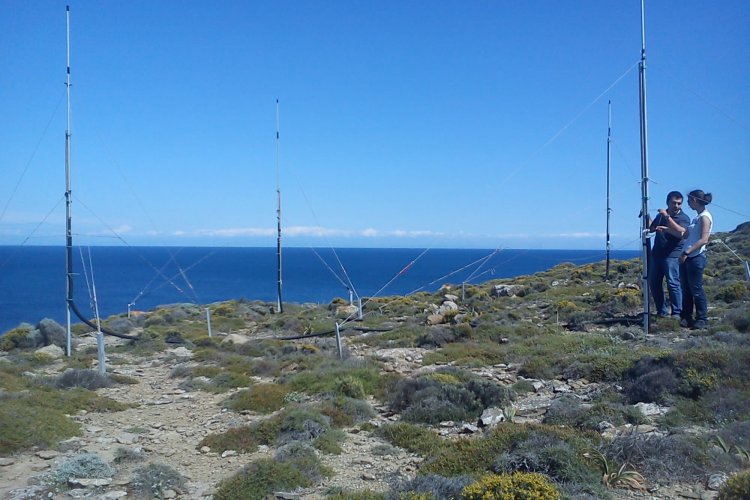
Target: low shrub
x=651, y=380
x=430, y=400
x=24, y=425
x=87, y=379
x=260, y=398
x=663, y=459
x=412, y=438
x=518, y=486
x=82, y=465
x=303, y=458
x=547, y=454
x=260, y=478
x=736, y=487
x=432, y=486
x=344, y=411
x=153, y=480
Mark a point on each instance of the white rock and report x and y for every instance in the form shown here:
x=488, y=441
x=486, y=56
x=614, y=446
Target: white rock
x=490, y=417
x=52, y=351
x=228, y=453
x=236, y=339
x=181, y=352
x=716, y=481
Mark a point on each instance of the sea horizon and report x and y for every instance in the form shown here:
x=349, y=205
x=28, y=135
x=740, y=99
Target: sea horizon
x=33, y=277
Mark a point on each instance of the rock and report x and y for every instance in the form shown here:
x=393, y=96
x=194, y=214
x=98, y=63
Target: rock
x=5, y=462
x=47, y=454
x=368, y=477
x=447, y=306
x=716, y=481
x=538, y=385
x=285, y=495
x=435, y=319
x=75, y=482
x=506, y=290
x=53, y=333
x=451, y=297
x=236, y=339
x=346, y=311
x=558, y=386
x=181, y=352
x=469, y=429
x=126, y=438
x=649, y=409
x=52, y=351
x=115, y=494
x=228, y=453
x=491, y=417
x=169, y=494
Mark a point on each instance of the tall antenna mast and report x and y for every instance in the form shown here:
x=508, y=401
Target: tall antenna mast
x=68, y=197
x=70, y=303
x=609, y=210
x=644, y=172
x=279, y=305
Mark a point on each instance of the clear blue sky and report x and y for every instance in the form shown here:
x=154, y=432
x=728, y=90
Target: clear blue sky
x=403, y=123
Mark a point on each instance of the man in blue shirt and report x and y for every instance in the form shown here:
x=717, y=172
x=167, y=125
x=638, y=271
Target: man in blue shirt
x=669, y=226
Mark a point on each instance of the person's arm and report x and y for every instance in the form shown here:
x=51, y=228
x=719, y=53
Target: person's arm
x=668, y=224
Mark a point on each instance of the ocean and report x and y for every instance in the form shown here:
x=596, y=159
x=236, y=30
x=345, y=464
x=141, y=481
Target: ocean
x=32, y=278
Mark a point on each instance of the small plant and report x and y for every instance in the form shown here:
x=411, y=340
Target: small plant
x=622, y=477
x=518, y=486
x=82, y=465
x=153, y=480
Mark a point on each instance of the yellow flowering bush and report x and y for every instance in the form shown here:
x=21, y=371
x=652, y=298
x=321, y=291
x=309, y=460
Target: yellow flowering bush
x=517, y=486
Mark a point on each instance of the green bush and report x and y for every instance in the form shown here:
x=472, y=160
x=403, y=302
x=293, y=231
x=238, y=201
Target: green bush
x=412, y=438
x=260, y=398
x=442, y=396
x=737, y=487
x=260, y=478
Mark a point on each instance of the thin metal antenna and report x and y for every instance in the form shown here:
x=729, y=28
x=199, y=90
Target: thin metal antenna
x=99, y=335
x=644, y=173
x=609, y=210
x=279, y=304
x=68, y=197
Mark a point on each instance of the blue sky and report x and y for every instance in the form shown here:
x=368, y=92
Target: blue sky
x=403, y=123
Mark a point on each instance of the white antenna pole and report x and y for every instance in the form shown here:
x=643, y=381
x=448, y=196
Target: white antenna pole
x=68, y=198
x=644, y=173
x=609, y=210
x=279, y=305
x=99, y=334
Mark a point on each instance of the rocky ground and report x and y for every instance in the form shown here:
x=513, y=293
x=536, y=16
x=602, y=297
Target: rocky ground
x=166, y=424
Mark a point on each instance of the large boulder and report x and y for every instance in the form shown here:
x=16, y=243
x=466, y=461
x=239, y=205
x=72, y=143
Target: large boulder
x=52, y=332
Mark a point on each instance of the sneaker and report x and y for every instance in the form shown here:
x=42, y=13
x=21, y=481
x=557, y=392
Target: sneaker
x=685, y=323
x=701, y=324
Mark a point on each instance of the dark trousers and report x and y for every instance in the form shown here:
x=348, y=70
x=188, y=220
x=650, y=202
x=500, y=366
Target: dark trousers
x=693, y=296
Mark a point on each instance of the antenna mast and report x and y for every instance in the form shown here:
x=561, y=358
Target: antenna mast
x=68, y=197
x=644, y=173
x=279, y=305
x=609, y=210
